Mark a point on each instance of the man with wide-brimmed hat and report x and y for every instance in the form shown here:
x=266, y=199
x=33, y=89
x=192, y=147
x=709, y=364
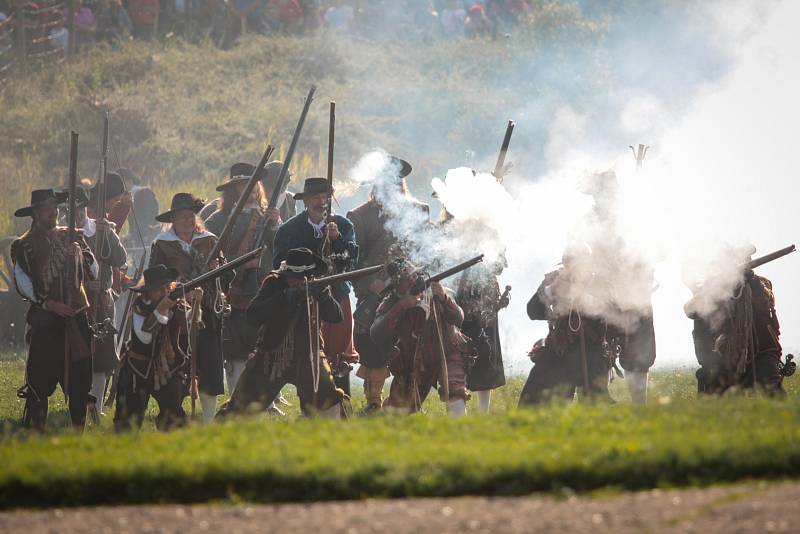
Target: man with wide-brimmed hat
x=185, y=246
x=408, y=327
x=105, y=244
x=372, y=221
x=737, y=340
x=243, y=171
x=288, y=349
x=286, y=202
x=49, y=272
x=154, y=363
x=332, y=237
x=572, y=358
x=239, y=337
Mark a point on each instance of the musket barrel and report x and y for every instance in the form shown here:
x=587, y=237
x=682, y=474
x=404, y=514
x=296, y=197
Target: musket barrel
x=345, y=277
x=258, y=173
x=273, y=199
x=73, y=183
x=454, y=270
x=501, y=158
x=215, y=273
x=758, y=262
x=331, y=139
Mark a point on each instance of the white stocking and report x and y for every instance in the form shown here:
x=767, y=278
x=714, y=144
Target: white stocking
x=458, y=407
x=209, y=405
x=484, y=400
x=637, y=386
x=236, y=369
x=334, y=412
x=98, y=388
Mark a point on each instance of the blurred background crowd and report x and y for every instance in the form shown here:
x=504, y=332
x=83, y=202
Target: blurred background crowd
x=53, y=29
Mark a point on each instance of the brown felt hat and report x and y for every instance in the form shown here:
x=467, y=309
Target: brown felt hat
x=41, y=198
x=181, y=201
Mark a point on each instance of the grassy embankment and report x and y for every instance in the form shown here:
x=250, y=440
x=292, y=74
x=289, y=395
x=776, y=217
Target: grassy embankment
x=181, y=112
x=675, y=441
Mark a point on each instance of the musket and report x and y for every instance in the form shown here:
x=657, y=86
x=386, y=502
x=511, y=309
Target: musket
x=347, y=276
x=124, y=328
x=501, y=158
x=639, y=155
x=281, y=184
x=73, y=185
x=71, y=235
x=453, y=270
x=213, y=274
x=223, y=237
x=100, y=215
x=193, y=393
x=443, y=375
x=331, y=136
x=326, y=247
x=284, y=174
x=364, y=313
x=772, y=256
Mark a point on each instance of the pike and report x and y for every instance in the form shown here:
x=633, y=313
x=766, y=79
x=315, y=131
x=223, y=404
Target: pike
x=256, y=177
x=772, y=256
x=501, y=158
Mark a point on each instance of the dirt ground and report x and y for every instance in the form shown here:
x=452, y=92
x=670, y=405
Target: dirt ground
x=739, y=508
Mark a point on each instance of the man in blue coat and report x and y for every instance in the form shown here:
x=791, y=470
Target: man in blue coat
x=332, y=237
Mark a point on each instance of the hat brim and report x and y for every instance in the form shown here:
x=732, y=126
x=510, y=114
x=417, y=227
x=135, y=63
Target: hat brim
x=302, y=194
x=405, y=167
x=320, y=268
x=232, y=182
x=27, y=211
x=166, y=217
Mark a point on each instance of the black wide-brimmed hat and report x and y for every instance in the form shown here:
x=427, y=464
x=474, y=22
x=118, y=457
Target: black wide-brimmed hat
x=302, y=262
x=271, y=173
x=41, y=198
x=312, y=186
x=114, y=187
x=402, y=166
x=181, y=201
x=156, y=277
x=240, y=172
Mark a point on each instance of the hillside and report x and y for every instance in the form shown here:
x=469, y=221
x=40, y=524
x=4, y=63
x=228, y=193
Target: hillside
x=182, y=112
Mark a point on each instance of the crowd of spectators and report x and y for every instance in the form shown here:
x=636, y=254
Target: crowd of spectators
x=225, y=20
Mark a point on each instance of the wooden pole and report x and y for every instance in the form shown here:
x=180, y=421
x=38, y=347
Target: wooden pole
x=70, y=28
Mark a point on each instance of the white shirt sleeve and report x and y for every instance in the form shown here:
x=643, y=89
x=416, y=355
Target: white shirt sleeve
x=24, y=283
x=95, y=268
x=138, y=323
x=163, y=319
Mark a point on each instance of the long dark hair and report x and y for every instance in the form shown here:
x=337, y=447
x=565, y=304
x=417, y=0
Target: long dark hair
x=229, y=198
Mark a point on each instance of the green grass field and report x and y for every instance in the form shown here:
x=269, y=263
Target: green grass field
x=675, y=441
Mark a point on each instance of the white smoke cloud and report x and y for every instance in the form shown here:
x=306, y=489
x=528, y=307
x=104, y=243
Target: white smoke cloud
x=719, y=174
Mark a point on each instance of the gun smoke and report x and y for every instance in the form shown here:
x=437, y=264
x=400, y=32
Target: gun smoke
x=716, y=178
